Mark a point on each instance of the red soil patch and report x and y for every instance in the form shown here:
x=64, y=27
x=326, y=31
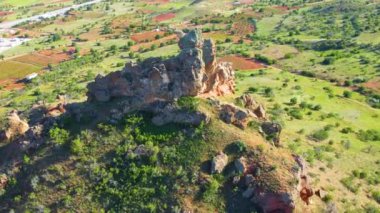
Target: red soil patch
x=120, y=23
x=373, y=85
x=241, y=63
x=283, y=8
x=146, y=36
x=156, y=42
x=60, y=1
x=156, y=1
x=164, y=17
x=242, y=28
x=56, y=55
x=5, y=13
x=92, y=35
x=247, y=1
x=43, y=58
x=11, y=84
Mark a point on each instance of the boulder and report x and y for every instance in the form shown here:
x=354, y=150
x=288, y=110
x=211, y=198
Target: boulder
x=16, y=126
x=248, y=192
x=248, y=102
x=260, y=112
x=272, y=129
x=248, y=179
x=241, y=165
x=274, y=201
x=232, y=114
x=218, y=163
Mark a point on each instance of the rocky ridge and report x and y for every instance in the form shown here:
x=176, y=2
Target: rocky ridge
x=194, y=71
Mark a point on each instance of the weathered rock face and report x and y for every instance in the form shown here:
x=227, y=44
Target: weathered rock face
x=241, y=165
x=16, y=126
x=193, y=72
x=274, y=202
x=218, y=163
x=231, y=114
x=255, y=108
x=272, y=129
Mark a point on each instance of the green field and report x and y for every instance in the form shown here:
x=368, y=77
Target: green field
x=14, y=70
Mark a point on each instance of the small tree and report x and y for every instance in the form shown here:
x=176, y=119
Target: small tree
x=347, y=94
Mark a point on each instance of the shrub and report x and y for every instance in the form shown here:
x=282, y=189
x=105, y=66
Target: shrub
x=59, y=136
x=376, y=196
x=348, y=183
x=369, y=135
x=268, y=92
x=293, y=101
x=295, y=113
x=327, y=198
x=347, y=94
x=264, y=59
x=188, y=103
x=320, y=135
x=239, y=147
x=346, y=130
x=211, y=194
x=77, y=146
x=252, y=90
x=328, y=61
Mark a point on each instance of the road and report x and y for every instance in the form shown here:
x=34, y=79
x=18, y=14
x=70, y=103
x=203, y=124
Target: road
x=10, y=24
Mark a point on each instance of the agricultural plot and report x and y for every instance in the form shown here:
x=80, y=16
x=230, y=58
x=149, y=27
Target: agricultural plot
x=15, y=69
x=240, y=63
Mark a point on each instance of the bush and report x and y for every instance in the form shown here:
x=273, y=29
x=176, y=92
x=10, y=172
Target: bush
x=347, y=94
x=376, y=196
x=59, y=136
x=264, y=59
x=295, y=113
x=369, y=135
x=293, y=101
x=328, y=61
x=320, y=135
x=252, y=90
x=346, y=130
x=211, y=194
x=327, y=198
x=188, y=103
x=77, y=146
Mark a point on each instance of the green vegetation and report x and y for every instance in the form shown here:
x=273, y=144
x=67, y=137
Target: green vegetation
x=317, y=75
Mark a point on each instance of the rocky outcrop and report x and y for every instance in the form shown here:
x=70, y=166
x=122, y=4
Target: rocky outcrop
x=274, y=202
x=255, y=108
x=273, y=130
x=231, y=114
x=240, y=165
x=194, y=71
x=16, y=126
x=218, y=163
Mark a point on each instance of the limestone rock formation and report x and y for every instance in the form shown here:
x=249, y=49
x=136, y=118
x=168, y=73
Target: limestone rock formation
x=16, y=126
x=194, y=71
x=231, y=114
x=218, y=163
x=248, y=102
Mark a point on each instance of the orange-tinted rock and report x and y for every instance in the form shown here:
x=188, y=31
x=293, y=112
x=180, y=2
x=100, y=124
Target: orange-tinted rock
x=16, y=126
